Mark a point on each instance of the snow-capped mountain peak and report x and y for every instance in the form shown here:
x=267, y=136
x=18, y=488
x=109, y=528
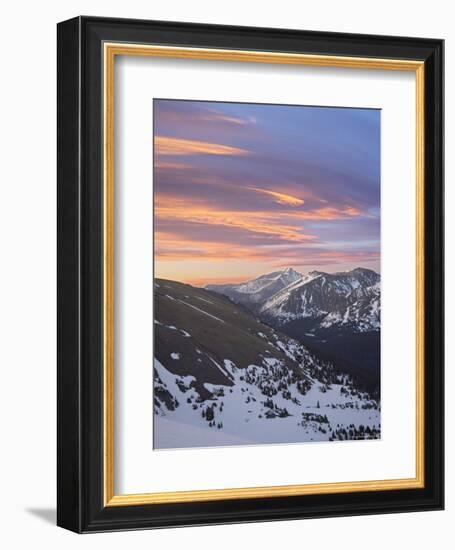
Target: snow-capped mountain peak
x=344, y=299
x=291, y=272
x=258, y=290
x=347, y=300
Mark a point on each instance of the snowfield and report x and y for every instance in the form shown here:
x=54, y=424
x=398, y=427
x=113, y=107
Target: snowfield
x=243, y=414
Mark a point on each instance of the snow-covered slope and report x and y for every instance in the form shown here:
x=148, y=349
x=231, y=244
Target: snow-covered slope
x=221, y=377
x=347, y=300
x=258, y=290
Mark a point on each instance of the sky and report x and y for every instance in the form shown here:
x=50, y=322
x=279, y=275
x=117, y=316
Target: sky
x=244, y=189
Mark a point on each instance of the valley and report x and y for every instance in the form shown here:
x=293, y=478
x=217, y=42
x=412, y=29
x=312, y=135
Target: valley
x=229, y=373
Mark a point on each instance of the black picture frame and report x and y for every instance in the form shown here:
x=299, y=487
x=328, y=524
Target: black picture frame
x=80, y=475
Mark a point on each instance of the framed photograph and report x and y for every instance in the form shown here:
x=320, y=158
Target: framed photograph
x=250, y=274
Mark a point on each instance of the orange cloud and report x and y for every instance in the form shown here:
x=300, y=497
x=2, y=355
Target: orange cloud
x=328, y=213
x=183, y=251
x=174, y=207
x=165, y=145
x=279, y=233
x=176, y=248
x=280, y=198
x=267, y=223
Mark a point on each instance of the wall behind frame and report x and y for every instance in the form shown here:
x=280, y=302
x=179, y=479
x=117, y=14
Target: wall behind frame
x=28, y=236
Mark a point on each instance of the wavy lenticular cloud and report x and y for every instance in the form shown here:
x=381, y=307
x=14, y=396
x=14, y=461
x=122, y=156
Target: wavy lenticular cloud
x=165, y=145
x=279, y=198
x=267, y=223
x=216, y=116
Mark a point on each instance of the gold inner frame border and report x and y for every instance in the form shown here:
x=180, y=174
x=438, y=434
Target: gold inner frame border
x=110, y=51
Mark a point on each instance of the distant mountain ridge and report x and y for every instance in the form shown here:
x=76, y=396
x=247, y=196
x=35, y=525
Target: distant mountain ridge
x=335, y=315
x=344, y=300
x=347, y=300
x=258, y=290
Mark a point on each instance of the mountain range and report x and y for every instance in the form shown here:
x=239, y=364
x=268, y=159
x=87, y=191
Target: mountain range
x=336, y=315
x=257, y=291
x=348, y=299
x=227, y=372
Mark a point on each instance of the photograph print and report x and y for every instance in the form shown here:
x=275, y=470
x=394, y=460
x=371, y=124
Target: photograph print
x=267, y=284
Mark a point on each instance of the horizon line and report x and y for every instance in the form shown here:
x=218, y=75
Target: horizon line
x=200, y=282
